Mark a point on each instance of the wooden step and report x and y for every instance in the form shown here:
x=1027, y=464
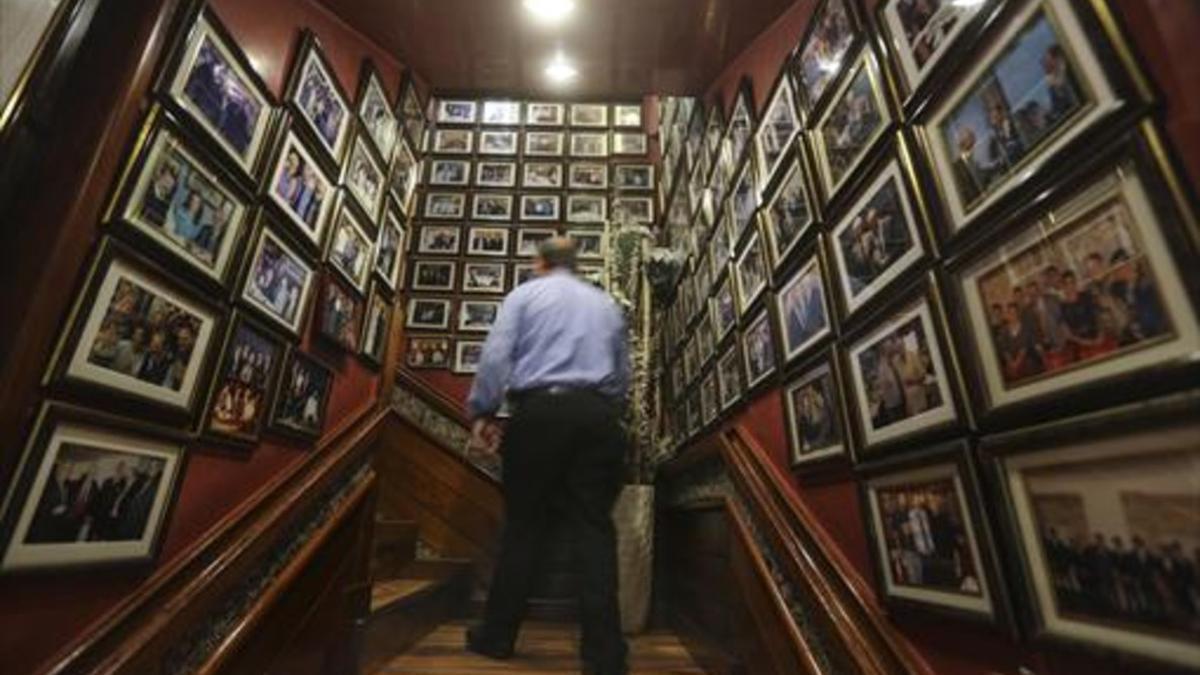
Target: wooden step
x=404, y=610
x=393, y=548
x=553, y=610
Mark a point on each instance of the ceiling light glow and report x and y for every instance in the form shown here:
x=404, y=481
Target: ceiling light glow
x=550, y=11
x=560, y=71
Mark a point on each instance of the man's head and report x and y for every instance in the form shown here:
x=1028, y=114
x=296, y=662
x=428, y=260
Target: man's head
x=555, y=253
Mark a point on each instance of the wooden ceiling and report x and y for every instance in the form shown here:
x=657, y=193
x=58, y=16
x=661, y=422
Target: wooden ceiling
x=622, y=48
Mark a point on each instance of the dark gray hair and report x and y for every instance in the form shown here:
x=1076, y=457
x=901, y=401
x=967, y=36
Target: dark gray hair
x=558, y=252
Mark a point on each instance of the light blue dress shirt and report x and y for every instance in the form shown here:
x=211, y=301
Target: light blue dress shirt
x=552, y=330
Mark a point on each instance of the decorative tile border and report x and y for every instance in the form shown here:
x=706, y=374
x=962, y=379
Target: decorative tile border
x=442, y=428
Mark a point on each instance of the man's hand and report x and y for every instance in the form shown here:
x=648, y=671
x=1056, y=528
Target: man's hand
x=485, y=436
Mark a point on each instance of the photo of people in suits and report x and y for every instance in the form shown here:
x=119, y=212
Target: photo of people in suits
x=901, y=376
x=277, y=281
x=802, y=309
x=239, y=405
x=815, y=414
x=320, y=102
x=926, y=537
x=877, y=236
x=302, y=396
x=826, y=46
x=851, y=125
x=300, y=187
x=222, y=98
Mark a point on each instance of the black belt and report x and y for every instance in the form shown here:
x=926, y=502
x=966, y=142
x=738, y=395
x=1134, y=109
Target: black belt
x=554, y=390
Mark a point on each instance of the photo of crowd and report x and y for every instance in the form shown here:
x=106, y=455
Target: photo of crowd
x=815, y=415
x=901, y=378
x=1078, y=295
x=179, y=199
x=874, y=238
x=320, y=103
x=239, y=404
x=428, y=353
x=300, y=187
x=826, y=46
x=851, y=125
x=146, y=336
x=96, y=494
x=1027, y=95
x=278, y=282
x=341, y=316
x=226, y=102
x=926, y=537
x=303, y=393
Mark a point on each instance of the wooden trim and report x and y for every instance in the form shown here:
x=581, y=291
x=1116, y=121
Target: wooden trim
x=443, y=403
x=212, y=563
x=868, y=638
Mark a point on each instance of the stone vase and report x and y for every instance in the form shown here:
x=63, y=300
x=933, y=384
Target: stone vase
x=633, y=515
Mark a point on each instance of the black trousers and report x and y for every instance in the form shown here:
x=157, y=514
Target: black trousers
x=565, y=448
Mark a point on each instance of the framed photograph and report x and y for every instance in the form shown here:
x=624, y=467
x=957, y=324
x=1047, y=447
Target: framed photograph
x=587, y=176
x=467, y=354
x=930, y=542
x=1087, y=296
x=1101, y=519
x=633, y=176
x=587, y=208
x=721, y=176
x=538, y=114
x=787, y=212
x=919, y=34
x=593, y=274
x=445, y=205
x=627, y=115
x=402, y=181
x=240, y=397
x=815, y=414
x=804, y=318
x=723, y=309
x=758, y=345
x=93, y=490
x=776, y=130
x=695, y=414
x=488, y=241
x=589, y=115
x=350, y=250
x=376, y=329
x=428, y=314
x=522, y=272
x=589, y=144
x=752, y=272
x=729, y=376
x=375, y=112
x=491, y=206
x=857, y=118
x=433, y=275
x=503, y=113
x=456, y=111
x=741, y=125
x=484, y=277
x=137, y=335
x=630, y=143
x=743, y=201
x=638, y=209
x=544, y=143
x=183, y=201
x=412, y=113
x=477, y=316
x=495, y=173
x=454, y=172
x=720, y=252
x=530, y=238
x=1039, y=57
x=492, y=142
x=832, y=33
x=278, y=281
x=901, y=381
x=878, y=239
x=303, y=397
x=428, y=352
x=340, y=320
x=317, y=98
x=541, y=207
x=589, y=244
x=440, y=240
x=389, y=251
x=214, y=85
x=301, y=190
x=453, y=141
x=545, y=175
x=709, y=399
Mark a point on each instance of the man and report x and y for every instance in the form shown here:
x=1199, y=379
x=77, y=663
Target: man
x=558, y=348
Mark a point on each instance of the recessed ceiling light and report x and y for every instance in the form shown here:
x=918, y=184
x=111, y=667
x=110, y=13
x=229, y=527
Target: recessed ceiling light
x=560, y=70
x=550, y=11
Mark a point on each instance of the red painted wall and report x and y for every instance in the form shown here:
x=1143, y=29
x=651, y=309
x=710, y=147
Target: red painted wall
x=41, y=614
x=1161, y=31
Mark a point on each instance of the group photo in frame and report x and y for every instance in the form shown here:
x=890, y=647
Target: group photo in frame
x=301, y=190
x=439, y=240
x=318, y=100
x=428, y=352
x=64, y=511
x=815, y=413
x=452, y=141
x=428, y=314
x=496, y=173
x=278, y=281
x=445, y=205
x=243, y=387
x=303, y=398
x=857, y=118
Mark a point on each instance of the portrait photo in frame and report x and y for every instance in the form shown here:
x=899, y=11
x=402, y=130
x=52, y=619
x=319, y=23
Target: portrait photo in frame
x=376, y=329
x=341, y=315
x=803, y=309
x=301, y=191
x=540, y=114
x=277, y=282
x=816, y=413
x=777, y=129
x=350, y=248
x=787, y=212
x=495, y=173
x=428, y=314
x=919, y=34
x=823, y=55
x=375, y=112
x=303, y=397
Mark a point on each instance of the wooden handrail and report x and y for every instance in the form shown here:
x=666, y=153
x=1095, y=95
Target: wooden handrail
x=125, y=632
x=439, y=400
x=868, y=639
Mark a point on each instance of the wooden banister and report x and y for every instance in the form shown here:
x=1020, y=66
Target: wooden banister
x=439, y=400
x=811, y=559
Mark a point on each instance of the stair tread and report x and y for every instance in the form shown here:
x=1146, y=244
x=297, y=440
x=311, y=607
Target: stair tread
x=394, y=590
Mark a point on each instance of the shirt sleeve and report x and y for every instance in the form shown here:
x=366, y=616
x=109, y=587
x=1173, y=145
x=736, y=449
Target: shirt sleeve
x=496, y=361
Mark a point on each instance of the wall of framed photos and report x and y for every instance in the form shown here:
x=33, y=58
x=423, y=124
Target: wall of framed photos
x=890, y=223
x=232, y=307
